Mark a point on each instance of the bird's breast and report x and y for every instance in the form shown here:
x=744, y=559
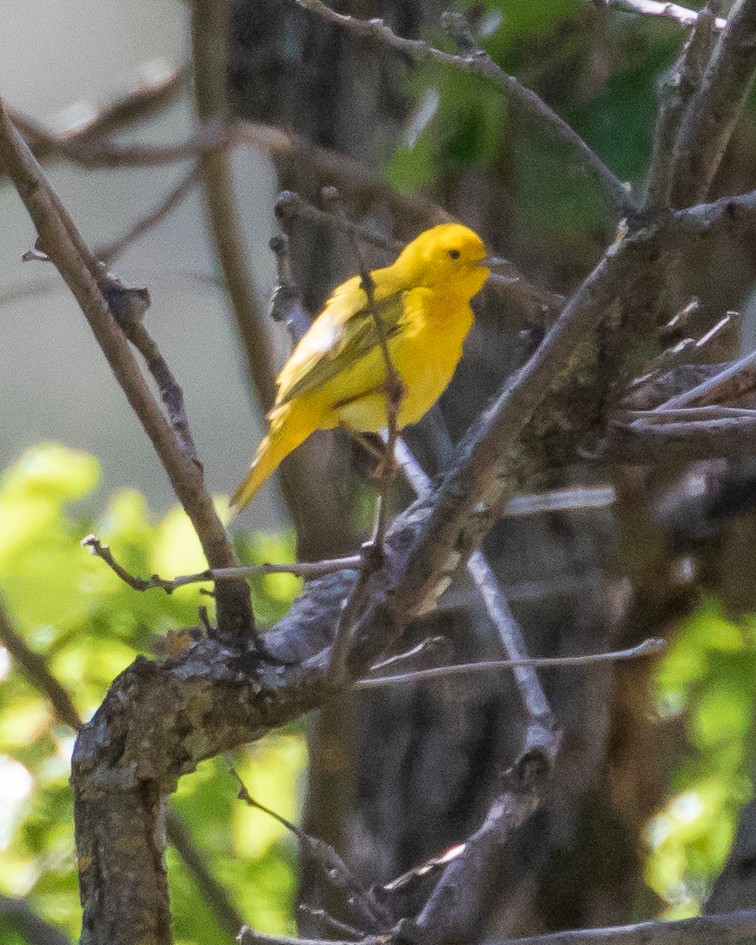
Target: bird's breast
x=425, y=353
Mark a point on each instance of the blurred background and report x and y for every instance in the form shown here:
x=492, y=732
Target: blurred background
x=657, y=760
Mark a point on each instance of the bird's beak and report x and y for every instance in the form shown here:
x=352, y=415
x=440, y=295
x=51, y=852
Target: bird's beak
x=493, y=262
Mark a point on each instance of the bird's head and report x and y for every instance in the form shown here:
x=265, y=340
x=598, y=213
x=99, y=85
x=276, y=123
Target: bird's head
x=450, y=258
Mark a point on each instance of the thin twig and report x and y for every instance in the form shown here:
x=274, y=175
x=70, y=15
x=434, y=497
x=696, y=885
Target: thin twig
x=428, y=647
x=734, y=381
x=16, y=915
x=368, y=911
x=303, y=569
x=667, y=11
x=570, y=499
x=671, y=414
x=734, y=928
x=479, y=62
x=209, y=52
x=329, y=922
x=646, y=648
x=529, y=686
x=35, y=669
x=155, y=84
x=195, y=860
x=290, y=205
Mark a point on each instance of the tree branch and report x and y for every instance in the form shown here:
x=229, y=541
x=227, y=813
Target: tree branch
x=713, y=111
x=682, y=83
x=646, y=648
x=27, y=923
x=479, y=62
x=67, y=250
x=658, y=8
x=304, y=569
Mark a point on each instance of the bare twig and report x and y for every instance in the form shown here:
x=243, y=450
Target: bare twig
x=652, y=443
x=154, y=85
x=658, y=8
x=672, y=414
x=734, y=381
x=196, y=861
x=529, y=686
x=303, y=569
x=367, y=910
x=36, y=670
x=512, y=282
x=646, y=648
x=170, y=391
x=479, y=62
x=734, y=928
x=63, y=243
x=329, y=923
x=429, y=647
x=684, y=353
x=570, y=499
x=209, y=39
x=209, y=53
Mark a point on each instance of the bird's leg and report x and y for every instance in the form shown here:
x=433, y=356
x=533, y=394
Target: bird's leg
x=377, y=452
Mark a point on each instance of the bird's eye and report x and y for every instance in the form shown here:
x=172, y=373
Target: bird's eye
x=454, y=253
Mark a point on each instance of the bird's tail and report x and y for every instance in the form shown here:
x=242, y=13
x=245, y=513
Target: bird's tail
x=290, y=425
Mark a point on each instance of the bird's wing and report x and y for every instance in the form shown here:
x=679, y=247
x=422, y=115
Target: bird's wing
x=344, y=332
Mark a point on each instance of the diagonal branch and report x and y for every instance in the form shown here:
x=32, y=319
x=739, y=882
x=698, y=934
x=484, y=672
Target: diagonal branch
x=480, y=63
x=66, y=248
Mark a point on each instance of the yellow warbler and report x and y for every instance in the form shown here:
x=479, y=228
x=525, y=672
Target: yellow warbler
x=336, y=375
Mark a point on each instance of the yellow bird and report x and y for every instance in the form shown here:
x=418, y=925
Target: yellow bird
x=336, y=375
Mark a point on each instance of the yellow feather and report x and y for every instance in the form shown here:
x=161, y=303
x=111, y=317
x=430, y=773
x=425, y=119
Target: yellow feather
x=335, y=374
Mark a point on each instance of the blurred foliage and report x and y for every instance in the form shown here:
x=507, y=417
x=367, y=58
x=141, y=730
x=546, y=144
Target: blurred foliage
x=706, y=680
x=88, y=625
x=599, y=70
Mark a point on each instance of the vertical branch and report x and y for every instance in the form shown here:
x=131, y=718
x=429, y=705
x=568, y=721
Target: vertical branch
x=210, y=23
x=711, y=115
x=209, y=41
x=675, y=94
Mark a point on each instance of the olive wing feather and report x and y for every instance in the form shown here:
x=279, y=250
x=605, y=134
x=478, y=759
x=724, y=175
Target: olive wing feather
x=343, y=333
